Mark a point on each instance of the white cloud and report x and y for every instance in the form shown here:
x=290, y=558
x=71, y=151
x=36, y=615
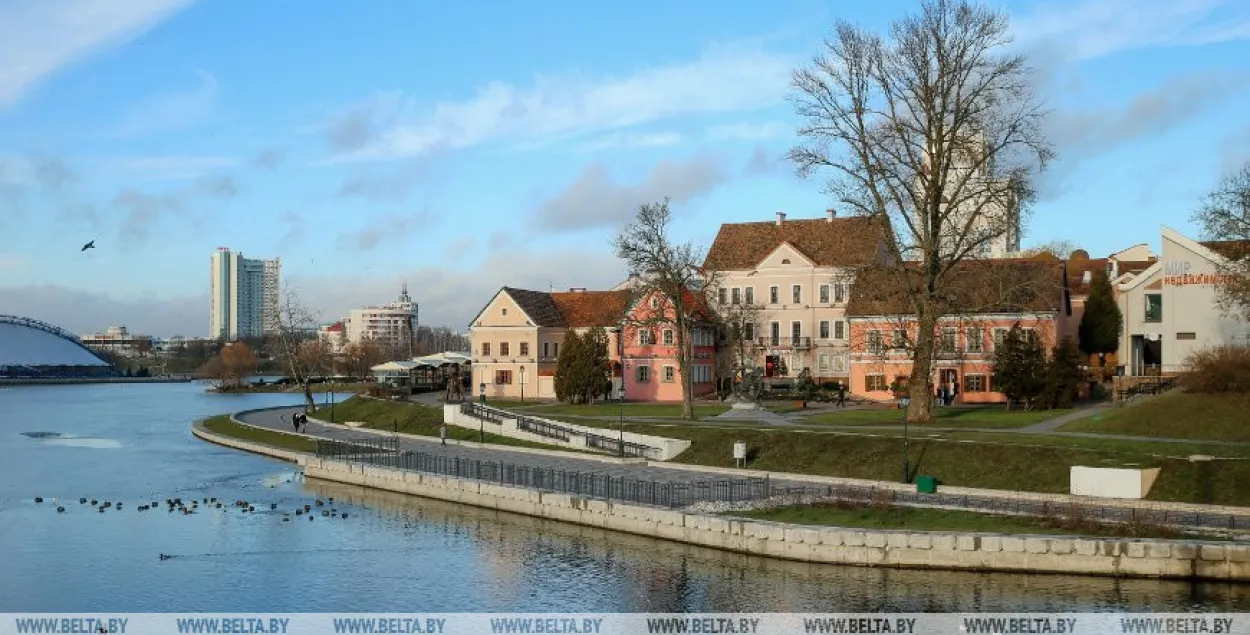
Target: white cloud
x=723, y=80
x=41, y=37
x=173, y=110
x=82, y=311
x=1090, y=29
x=627, y=140
x=749, y=131
x=11, y=263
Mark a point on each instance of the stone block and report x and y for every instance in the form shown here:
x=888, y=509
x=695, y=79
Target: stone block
x=1212, y=552
x=920, y=541
x=896, y=540
x=1158, y=550
x=1112, y=548
x=1036, y=545
x=811, y=536
x=943, y=542
x=777, y=533
x=854, y=538
x=1060, y=546
x=991, y=543
x=1135, y=550
x=968, y=543
x=1184, y=551
x=1012, y=544
x=875, y=539
x=830, y=537
x=1237, y=553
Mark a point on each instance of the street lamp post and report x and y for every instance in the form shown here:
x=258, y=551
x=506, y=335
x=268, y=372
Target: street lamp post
x=481, y=423
x=621, y=425
x=903, y=403
x=481, y=392
x=522, y=384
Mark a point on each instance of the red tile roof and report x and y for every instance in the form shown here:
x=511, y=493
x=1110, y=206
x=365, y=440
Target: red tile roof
x=847, y=241
x=980, y=286
x=581, y=309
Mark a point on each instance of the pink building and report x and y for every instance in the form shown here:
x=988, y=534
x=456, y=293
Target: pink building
x=987, y=298
x=649, y=355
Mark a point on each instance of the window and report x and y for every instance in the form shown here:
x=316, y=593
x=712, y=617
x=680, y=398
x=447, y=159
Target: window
x=1000, y=336
x=824, y=362
x=1154, y=307
x=839, y=330
x=839, y=292
x=525, y=349
x=642, y=374
x=668, y=337
x=486, y=349
x=839, y=364
x=503, y=311
x=503, y=349
x=555, y=349
x=503, y=377
x=645, y=337
x=898, y=339
x=824, y=294
x=1028, y=335
x=546, y=349
x=874, y=342
x=670, y=374
x=748, y=295
x=772, y=295
x=1186, y=336
x=875, y=383
x=776, y=333
x=748, y=330
x=796, y=331
x=722, y=295
x=702, y=374
x=948, y=340
x=824, y=329
x=975, y=383
x=796, y=294
x=655, y=302
x=973, y=340
x=737, y=296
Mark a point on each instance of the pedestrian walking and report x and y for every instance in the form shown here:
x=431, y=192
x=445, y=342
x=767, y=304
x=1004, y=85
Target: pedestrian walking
x=295, y=420
x=303, y=423
x=442, y=434
x=841, y=395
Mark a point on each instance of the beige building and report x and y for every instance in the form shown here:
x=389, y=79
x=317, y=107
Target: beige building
x=786, y=284
x=392, y=325
x=516, y=338
x=116, y=339
x=1170, y=307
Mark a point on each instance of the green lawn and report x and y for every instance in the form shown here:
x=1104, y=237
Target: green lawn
x=315, y=388
x=412, y=418
x=920, y=519
x=1178, y=415
x=968, y=417
x=657, y=410
x=221, y=424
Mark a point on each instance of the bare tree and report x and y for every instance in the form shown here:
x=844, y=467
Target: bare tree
x=1225, y=217
x=738, y=322
x=362, y=356
x=295, y=322
x=670, y=270
x=230, y=368
x=935, y=130
x=1060, y=248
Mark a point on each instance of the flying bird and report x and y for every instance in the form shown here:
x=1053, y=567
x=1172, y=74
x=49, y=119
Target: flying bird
x=90, y=245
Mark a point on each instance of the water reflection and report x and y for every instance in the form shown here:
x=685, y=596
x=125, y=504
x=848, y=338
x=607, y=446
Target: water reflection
x=528, y=556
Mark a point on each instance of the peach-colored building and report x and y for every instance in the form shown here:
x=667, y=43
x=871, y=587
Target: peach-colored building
x=516, y=338
x=989, y=297
x=784, y=285
x=650, y=366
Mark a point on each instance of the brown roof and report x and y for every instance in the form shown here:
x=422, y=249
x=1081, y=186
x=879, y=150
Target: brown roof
x=1076, y=273
x=538, y=305
x=591, y=308
x=853, y=240
x=981, y=286
x=1230, y=249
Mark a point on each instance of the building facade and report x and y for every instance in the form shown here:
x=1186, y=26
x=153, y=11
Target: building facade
x=650, y=369
x=243, y=295
x=989, y=299
x=1170, y=308
x=393, y=325
x=784, y=286
x=116, y=339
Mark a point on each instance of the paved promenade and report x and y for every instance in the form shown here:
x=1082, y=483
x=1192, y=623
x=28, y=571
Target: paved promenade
x=1199, y=515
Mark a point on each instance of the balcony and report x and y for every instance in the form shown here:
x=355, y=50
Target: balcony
x=796, y=343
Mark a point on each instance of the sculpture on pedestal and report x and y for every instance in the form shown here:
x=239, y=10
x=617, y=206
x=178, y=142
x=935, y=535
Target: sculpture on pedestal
x=455, y=386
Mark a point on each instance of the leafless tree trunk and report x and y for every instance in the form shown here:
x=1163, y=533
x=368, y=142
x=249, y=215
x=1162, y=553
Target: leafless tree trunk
x=671, y=270
x=1225, y=216
x=295, y=322
x=935, y=131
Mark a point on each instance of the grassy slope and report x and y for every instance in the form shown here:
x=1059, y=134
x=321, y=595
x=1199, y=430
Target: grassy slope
x=1178, y=415
x=411, y=418
x=981, y=417
x=221, y=424
x=631, y=410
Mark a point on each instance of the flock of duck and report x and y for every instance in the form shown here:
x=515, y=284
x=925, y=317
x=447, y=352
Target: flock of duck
x=177, y=505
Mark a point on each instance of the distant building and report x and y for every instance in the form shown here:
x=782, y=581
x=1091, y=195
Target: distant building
x=116, y=339
x=334, y=335
x=243, y=296
x=30, y=348
x=391, y=325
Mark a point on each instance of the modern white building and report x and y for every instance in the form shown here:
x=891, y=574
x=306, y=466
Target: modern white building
x=1170, y=307
x=393, y=324
x=116, y=339
x=986, y=205
x=243, y=295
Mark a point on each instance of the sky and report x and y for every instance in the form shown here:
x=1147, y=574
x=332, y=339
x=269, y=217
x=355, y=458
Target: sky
x=463, y=148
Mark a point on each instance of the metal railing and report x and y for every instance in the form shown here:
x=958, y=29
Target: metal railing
x=616, y=446
x=544, y=428
x=1144, y=386
x=671, y=494
x=551, y=430
x=785, y=342
x=485, y=413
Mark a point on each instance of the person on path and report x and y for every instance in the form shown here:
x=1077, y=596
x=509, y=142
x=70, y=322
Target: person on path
x=841, y=395
x=442, y=434
x=303, y=423
x=295, y=420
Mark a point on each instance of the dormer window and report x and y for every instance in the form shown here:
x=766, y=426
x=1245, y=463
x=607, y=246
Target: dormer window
x=785, y=261
x=503, y=311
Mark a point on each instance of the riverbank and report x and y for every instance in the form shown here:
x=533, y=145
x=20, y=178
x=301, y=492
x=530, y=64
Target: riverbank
x=63, y=381
x=881, y=548
x=316, y=389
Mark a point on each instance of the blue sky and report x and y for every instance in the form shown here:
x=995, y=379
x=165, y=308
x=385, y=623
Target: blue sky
x=460, y=149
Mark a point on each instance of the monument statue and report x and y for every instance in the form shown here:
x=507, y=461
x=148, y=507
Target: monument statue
x=748, y=387
x=455, y=386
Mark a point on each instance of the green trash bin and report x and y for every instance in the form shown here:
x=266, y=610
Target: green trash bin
x=926, y=484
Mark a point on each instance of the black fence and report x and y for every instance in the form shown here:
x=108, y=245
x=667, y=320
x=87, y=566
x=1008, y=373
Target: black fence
x=485, y=413
x=1152, y=386
x=551, y=430
x=386, y=453
x=616, y=446
x=544, y=428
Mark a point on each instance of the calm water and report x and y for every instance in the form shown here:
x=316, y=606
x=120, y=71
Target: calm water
x=130, y=443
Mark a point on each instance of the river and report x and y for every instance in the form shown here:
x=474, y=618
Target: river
x=130, y=443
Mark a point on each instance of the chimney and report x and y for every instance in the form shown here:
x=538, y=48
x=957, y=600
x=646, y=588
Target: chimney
x=577, y=289
x=1087, y=278
x=781, y=217
x=830, y=214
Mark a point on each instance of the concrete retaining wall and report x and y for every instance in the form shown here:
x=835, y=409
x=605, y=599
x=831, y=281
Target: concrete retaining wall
x=901, y=549
x=667, y=448
x=247, y=446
